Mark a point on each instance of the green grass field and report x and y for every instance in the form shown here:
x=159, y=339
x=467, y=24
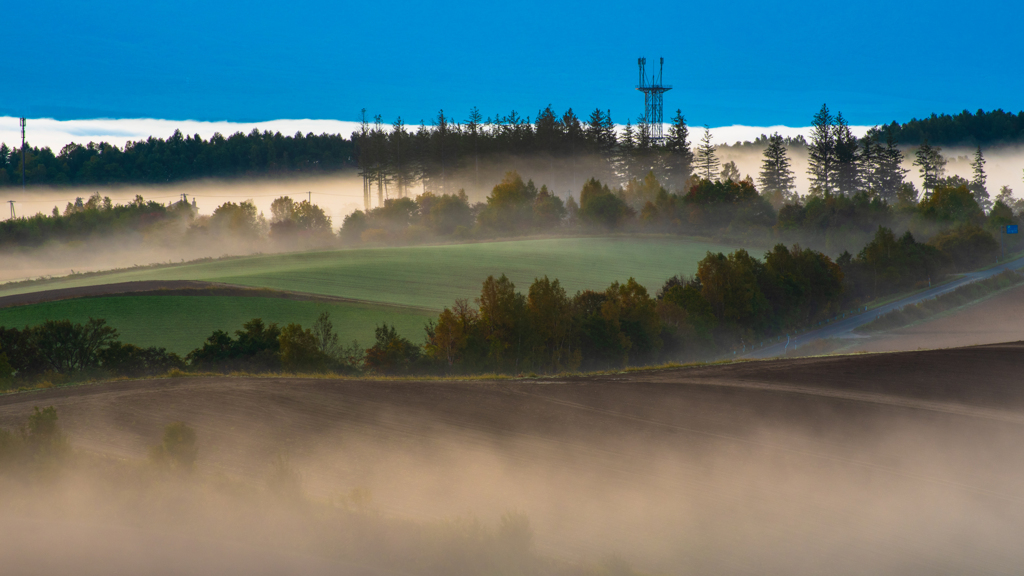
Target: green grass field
x=434, y=276
x=430, y=277
x=181, y=323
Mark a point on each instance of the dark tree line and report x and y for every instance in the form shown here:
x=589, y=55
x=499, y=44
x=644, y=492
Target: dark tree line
x=59, y=351
x=564, y=150
x=179, y=157
x=446, y=154
x=973, y=129
x=298, y=223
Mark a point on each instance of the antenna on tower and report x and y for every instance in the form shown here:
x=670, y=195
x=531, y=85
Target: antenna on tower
x=22, y=156
x=653, y=90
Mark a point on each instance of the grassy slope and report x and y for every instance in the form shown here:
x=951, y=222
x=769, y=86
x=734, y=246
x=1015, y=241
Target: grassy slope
x=434, y=276
x=181, y=323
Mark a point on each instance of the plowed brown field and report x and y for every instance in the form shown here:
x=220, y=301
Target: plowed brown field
x=905, y=463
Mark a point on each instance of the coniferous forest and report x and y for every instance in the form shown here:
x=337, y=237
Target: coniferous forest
x=445, y=154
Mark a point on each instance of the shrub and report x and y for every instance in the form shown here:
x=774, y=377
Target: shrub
x=968, y=246
x=391, y=354
x=600, y=207
x=300, y=350
x=178, y=448
x=43, y=435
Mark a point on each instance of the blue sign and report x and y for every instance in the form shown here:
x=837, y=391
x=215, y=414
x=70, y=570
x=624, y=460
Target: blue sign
x=1011, y=228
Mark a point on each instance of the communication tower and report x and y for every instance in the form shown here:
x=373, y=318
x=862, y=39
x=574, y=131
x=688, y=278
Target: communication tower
x=22, y=153
x=653, y=90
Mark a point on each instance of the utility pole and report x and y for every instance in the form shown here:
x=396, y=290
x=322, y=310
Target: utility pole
x=310, y=193
x=11, y=202
x=22, y=157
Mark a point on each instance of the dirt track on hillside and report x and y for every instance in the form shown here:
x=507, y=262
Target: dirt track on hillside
x=907, y=463
x=998, y=319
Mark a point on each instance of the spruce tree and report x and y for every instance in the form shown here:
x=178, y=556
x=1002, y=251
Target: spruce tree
x=609, y=140
x=572, y=132
x=593, y=133
x=473, y=129
x=730, y=172
x=869, y=156
x=707, y=161
x=977, y=185
x=776, y=179
x=679, y=158
x=627, y=153
x=645, y=155
x=400, y=149
x=931, y=165
x=888, y=172
x=822, y=153
x=847, y=161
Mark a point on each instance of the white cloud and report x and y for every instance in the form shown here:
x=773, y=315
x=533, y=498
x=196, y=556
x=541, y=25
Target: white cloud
x=55, y=134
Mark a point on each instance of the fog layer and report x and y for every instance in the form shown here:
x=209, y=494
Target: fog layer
x=901, y=464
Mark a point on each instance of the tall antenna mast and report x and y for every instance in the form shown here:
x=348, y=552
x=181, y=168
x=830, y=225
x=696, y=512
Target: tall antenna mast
x=22, y=157
x=653, y=90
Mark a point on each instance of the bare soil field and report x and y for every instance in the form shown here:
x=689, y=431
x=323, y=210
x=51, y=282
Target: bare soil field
x=904, y=463
x=159, y=288
x=998, y=319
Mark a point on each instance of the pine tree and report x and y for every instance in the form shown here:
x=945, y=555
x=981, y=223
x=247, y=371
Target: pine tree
x=547, y=131
x=381, y=169
x=364, y=153
x=572, y=131
x=730, y=172
x=847, y=160
x=422, y=144
x=627, y=153
x=776, y=179
x=599, y=135
x=888, y=172
x=398, y=142
x=869, y=156
x=822, y=152
x=932, y=166
x=593, y=133
x=679, y=159
x=474, y=130
x=978, y=181
x=646, y=156
x=609, y=139
x=707, y=162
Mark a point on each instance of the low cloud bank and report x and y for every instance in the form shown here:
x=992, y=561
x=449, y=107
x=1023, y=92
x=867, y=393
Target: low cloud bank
x=58, y=133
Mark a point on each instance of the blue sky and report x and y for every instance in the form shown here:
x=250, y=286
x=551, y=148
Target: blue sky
x=753, y=63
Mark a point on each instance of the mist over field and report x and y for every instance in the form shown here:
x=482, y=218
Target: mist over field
x=730, y=470
x=337, y=195
x=337, y=288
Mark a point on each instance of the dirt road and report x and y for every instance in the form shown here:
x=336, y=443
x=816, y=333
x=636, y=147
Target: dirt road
x=845, y=326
